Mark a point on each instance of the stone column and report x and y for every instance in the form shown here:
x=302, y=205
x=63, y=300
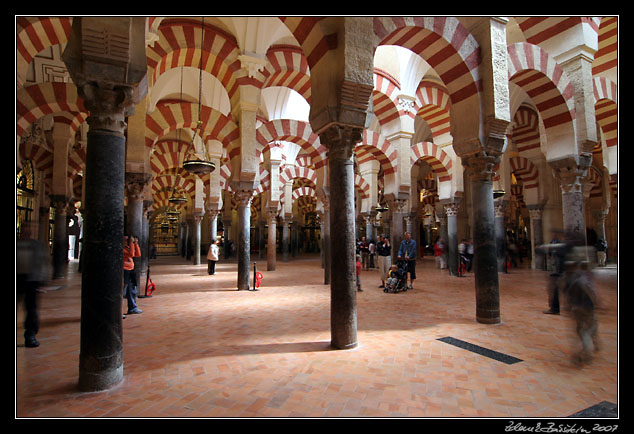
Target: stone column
x=101, y=345
x=261, y=224
x=599, y=216
x=396, y=227
x=45, y=215
x=271, y=248
x=110, y=81
x=340, y=141
x=451, y=210
x=227, y=231
x=326, y=241
x=369, y=226
x=499, y=206
x=135, y=183
x=285, y=238
x=60, y=236
x=243, y=200
x=188, y=235
x=570, y=173
x=537, y=231
x=479, y=169
x=197, y=220
x=213, y=224
x=182, y=239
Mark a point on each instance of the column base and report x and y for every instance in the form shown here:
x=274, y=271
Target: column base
x=344, y=346
x=96, y=382
x=483, y=320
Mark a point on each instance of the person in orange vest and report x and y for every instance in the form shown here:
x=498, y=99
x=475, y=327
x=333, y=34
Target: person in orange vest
x=130, y=250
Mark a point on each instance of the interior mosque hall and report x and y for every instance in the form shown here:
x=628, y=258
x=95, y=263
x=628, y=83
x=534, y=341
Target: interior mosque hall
x=258, y=164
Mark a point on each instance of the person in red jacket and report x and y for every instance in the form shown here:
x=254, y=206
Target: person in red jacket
x=130, y=250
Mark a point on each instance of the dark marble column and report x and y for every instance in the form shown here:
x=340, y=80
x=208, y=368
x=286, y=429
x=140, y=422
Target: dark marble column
x=340, y=141
x=286, y=239
x=243, y=200
x=480, y=170
x=227, y=234
x=135, y=183
x=396, y=227
x=326, y=241
x=198, y=218
x=101, y=343
x=499, y=206
x=60, y=237
x=271, y=248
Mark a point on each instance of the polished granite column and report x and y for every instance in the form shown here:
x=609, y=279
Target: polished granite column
x=480, y=171
x=101, y=343
x=271, y=248
x=343, y=294
x=243, y=200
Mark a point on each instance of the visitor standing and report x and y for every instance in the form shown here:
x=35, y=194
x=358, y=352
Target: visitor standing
x=130, y=250
x=383, y=254
x=212, y=257
x=407, y=252
x=358, y=273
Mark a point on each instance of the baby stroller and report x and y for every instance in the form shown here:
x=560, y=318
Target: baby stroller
x=397, y=281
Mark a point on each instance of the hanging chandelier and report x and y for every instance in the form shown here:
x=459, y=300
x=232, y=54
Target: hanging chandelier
x=381, y=208
x=177, y=197
x=194, y=164
x=498, y=193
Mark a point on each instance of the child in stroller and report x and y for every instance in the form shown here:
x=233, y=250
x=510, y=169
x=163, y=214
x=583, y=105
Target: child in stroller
x=396, y=278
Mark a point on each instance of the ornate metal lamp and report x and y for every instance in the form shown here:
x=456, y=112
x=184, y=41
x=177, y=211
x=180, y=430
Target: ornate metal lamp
x=193, y=164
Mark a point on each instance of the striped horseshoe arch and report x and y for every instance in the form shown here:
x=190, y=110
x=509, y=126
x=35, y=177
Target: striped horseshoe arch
x=42, y=99
x=295, y=131
x=438, y=159
x=536, y=72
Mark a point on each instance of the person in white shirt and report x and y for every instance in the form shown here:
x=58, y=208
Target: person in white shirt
x=212, y=257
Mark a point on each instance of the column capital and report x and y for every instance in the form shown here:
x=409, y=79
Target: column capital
x=135, y=184
x=499, y=207
x=59, y=202
x=569, y=172
x=106, y=60
x=535, y=212
x=243, y=197
x=451, y=209
x=272, y=214
x=212, y=213
x=396, y=205
x=480, y=166
x=340, y=140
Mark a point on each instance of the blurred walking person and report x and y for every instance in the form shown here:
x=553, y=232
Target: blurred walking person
x=31, y=272
x=581, y=300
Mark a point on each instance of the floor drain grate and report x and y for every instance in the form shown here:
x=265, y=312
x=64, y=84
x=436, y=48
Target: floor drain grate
x=500, y=357
x=602, y=409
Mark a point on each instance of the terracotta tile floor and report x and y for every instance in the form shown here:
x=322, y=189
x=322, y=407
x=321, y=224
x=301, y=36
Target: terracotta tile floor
x=202, y=349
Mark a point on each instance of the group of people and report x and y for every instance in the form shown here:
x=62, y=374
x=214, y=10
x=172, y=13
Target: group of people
x=570, y=277
x=382, y=250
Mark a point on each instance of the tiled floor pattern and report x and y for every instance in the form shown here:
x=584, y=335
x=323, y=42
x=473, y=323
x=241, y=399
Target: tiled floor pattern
x=202, y=349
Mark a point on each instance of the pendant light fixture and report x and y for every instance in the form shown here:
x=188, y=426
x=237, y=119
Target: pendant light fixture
x=176, y=197
x=193, y=164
